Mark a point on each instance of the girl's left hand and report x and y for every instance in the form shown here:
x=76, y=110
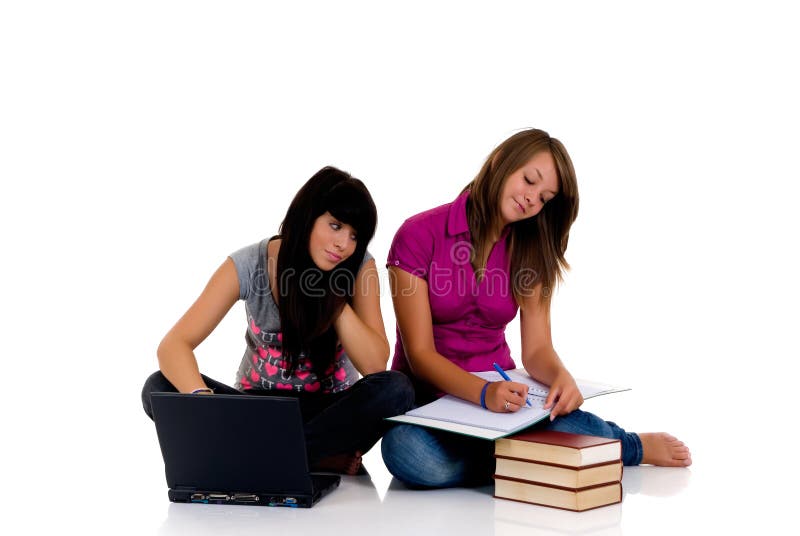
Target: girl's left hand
x=564, y=396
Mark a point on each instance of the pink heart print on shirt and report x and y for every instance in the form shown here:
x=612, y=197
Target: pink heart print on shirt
x=263, y=353
x=311, y=387
x=271, y=370
x=340, y=374
x=285, y=386
x=245, y=384
x=273, y=352
x=253, y=327
x=302, y=374
x=254, y=375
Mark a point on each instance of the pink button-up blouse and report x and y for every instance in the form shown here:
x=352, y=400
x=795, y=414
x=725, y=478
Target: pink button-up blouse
x=469, y=318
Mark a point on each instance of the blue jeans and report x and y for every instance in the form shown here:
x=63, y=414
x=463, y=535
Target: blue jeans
x=338, y=423
x=428, y=458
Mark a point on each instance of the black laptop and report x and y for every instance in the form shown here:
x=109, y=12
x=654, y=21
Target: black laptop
x=229, y=449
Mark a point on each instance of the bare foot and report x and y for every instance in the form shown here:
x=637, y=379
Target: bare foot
x=665, y=450
x=346, y=464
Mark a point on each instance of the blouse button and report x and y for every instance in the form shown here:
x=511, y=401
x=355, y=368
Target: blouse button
x=397, y=263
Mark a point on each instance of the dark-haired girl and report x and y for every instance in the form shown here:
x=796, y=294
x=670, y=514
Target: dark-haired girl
x=459, y=274
x=313, y=324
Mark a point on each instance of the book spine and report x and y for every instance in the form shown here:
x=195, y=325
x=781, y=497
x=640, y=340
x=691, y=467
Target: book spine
x=551, y=464
x=546, y=485
x=558, y=507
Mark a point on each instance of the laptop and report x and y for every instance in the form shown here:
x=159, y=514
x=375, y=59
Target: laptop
x=230, y=449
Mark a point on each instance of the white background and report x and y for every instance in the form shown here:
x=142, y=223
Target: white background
x=142, y=142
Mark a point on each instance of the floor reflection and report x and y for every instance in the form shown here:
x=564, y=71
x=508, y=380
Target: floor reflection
x=444, y=511
x=515, y=518
x=655, y=481
x=349, y=502
x=356, y=507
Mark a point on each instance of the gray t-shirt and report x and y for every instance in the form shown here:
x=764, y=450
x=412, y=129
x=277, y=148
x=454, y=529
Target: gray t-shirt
x=262, y=365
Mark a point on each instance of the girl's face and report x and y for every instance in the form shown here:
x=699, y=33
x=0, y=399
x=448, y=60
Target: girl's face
x=331, y=242
x=529, y=188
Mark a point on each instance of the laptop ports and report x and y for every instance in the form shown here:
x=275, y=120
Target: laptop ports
x=223, y=497
x=245, y=497
x=291, y=502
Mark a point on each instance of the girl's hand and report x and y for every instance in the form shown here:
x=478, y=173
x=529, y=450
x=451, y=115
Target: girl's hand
x=498, y=393
x=564, y=396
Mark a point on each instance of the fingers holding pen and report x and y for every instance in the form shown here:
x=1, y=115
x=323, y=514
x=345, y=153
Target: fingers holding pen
x=506, y=397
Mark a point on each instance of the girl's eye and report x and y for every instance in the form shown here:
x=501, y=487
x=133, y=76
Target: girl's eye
x=336, y=226
x=353, y=237
x=528, y=181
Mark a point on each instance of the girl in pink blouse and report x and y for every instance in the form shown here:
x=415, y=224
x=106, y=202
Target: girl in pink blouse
x=458, y=274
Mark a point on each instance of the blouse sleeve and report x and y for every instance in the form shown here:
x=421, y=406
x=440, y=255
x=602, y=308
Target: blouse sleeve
x=412, y=248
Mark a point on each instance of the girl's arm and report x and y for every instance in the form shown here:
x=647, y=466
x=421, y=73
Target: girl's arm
x=541, y=360
x=360, y=327
x=176, y=352
x=413, y=311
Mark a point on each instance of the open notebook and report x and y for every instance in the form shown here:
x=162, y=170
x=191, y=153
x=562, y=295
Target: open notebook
x=456, y=415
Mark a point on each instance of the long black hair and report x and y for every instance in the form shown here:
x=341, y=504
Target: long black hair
x=310, y=299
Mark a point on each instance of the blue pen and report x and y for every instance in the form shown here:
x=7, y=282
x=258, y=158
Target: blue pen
x=506, y=378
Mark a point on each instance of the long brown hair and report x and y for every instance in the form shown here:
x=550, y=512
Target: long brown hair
x=536, y=245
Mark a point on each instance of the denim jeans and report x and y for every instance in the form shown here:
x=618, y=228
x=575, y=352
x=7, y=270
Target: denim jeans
x=428, y=458
x=338, y=423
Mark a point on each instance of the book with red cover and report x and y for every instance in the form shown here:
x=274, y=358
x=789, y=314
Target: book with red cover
x=560, y=448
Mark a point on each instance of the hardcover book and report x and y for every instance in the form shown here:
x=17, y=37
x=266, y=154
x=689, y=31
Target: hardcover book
x=559, y=475
x=557, y=497
x=571, y=450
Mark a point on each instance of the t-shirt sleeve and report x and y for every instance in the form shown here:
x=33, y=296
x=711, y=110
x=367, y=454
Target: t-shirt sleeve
x=367, y=257
x=412, y=248
x=251, y=279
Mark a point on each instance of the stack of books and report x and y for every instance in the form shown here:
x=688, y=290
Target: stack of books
x=569, y=471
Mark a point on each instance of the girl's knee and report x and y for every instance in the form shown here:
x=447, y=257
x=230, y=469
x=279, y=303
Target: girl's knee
x=581, y=422
x=155, y=383
x=393, y=390
x=411, y=455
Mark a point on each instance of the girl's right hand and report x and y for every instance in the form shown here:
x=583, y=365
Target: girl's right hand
x=498, y=393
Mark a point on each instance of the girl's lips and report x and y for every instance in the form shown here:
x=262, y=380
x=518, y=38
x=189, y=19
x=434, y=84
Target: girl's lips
x=520, y=207
x=333, y=256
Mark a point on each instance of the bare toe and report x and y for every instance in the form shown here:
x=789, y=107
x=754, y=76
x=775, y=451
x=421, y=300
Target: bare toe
x=665, y=450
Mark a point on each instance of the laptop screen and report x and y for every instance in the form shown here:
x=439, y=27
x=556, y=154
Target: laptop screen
x=231, y=443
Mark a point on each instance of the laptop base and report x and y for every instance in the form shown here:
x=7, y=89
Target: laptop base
x=324, y=483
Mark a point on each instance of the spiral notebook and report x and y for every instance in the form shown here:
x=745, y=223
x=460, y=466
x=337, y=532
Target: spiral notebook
x=457, y=415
